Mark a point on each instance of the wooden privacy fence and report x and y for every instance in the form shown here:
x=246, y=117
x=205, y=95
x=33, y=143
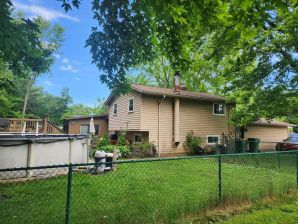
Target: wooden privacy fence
x=43, y=126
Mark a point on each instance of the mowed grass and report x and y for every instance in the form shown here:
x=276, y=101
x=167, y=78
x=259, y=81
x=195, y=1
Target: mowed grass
x=146, y=192
x=284, y=210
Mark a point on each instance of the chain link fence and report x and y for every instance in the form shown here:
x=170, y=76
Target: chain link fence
x=142, y=191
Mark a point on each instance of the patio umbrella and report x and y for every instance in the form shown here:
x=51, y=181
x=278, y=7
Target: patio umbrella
x=92, y=127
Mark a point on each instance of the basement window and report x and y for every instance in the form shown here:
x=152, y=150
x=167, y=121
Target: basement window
x=137, y=138
x=218, y=109
x=130, y=105
x=115, y=108
x=213, y=139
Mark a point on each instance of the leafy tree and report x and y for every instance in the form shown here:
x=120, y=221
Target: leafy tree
x=6, y=89
x=42, y=103
x=17, y=38
x=248, y=49
x=42, y=58
x=81, y=109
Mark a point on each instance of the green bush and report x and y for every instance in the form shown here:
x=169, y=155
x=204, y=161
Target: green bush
x=142, y=150
x=122, y=138
x=105, y=140
x=124, y=149
x=192, y=141
x=145, y=146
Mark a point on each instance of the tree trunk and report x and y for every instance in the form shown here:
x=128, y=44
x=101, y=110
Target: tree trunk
x=29, y=86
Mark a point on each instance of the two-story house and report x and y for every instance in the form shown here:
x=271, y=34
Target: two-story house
x=163, y=116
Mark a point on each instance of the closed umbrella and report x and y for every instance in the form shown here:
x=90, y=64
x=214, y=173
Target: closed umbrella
x=92, y=127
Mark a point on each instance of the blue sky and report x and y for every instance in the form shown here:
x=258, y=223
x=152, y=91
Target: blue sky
x=72, y=68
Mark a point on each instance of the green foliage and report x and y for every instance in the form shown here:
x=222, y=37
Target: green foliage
x=42, y=103
x=105, y=140
x=81, y=109
x=6, y=89
x=145, y=146
x=122, y=138
x=142, y=150
x=192, y=141
x=27, y=49
x=220, y=46
x=124, y=149
x=18, y=38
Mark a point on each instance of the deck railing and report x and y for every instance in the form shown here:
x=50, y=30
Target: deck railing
x=41, y=126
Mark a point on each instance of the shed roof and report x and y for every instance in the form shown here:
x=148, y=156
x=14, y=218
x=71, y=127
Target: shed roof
x=76, y=117
x=264, y=122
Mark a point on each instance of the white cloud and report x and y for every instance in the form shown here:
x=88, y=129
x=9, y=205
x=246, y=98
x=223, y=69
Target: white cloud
x=48, y=14
x=77, y=78
x=48, y=83
x=68, y=68
x=65, y=61
x=57, y=56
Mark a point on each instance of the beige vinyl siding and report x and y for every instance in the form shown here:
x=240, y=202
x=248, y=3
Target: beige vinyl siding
x=150, y=122
x=194, y=115
x=266, y=134
x=166, y=127
x=124, y=119
x=198, y=116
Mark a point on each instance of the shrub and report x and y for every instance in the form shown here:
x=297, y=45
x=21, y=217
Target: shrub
x=105, y=140
x=142, y=149
x=192, y=141
x=122, y=138
x=124, y=149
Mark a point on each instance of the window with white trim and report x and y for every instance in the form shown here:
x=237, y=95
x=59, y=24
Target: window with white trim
x=213, y=139
x=130, y=105
x=115, y=108
x=219, y=108
x=137, y=138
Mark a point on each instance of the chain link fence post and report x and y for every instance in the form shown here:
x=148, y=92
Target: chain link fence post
x=219, y=178
x=68, y=197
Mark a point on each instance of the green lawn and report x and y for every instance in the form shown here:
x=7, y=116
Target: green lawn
x=281, y=211
x=147, y=192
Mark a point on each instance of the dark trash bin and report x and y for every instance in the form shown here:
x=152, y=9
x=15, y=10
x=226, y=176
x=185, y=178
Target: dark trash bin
x=240, y=145
x=253, y=144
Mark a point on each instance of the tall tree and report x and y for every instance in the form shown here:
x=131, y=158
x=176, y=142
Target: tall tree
x=42, y=58
x=17, y=38
x=249, y=47
x=42, y=103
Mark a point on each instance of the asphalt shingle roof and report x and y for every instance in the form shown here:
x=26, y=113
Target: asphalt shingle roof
x=154, y=90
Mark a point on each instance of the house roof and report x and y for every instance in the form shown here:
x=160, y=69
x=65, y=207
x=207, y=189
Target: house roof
x=264, y=122
x=76, y=117
x=160, y=91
